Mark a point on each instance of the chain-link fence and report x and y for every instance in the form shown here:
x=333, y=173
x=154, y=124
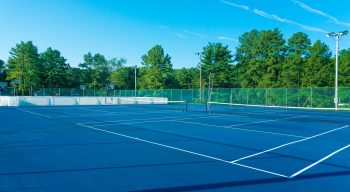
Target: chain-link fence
x=283, y=97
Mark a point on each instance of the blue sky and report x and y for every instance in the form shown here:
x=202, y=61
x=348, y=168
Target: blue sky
x=128, y=28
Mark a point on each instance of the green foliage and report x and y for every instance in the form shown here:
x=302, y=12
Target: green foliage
x=298, y=52
x=260, y=55
x=187, y=78
x=74, y=77
x=246, y=72
x=344, y=68
x=123, y=77
x=25, y=65
x=319, y=68
x=270, y=57
x=97, y=69
x=55, y=68
x=2, y=65
x=263, y=59
x=116, y=63
x=2, y=70
x=156, y=72
x=217, y=60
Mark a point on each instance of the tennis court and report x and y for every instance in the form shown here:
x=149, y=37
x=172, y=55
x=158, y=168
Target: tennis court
x=173, y=148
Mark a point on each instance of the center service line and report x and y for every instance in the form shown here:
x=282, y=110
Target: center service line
x=183, y=150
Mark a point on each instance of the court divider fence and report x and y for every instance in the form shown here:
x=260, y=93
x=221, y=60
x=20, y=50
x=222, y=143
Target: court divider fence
x=283, y=97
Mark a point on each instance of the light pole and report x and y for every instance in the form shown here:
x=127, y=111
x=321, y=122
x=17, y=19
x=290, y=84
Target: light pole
x=200, y=75
x=337, y=38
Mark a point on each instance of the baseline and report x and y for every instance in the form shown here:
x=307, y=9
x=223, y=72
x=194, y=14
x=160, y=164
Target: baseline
x=290, y=143
x=183, y=150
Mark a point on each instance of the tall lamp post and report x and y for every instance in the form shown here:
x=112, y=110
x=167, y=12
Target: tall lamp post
x=337, y=38
x=200, y=75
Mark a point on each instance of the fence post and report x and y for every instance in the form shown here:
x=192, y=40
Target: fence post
x=286, y=97
x=192, y=96
x=298, y=97
x=265, y=96
x=246, y=92
x=311, y=97
x=180, y=94
x=171, y=94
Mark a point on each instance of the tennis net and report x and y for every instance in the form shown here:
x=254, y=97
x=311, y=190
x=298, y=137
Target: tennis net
x=156, y=104
x=260, y=111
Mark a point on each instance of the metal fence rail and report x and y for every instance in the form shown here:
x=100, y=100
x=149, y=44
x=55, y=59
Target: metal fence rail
x=283, y=97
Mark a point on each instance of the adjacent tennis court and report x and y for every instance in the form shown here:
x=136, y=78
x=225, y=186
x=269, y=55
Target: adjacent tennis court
x=173, y=147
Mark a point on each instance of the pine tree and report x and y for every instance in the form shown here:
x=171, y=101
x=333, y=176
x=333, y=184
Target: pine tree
x=157, y=71
x=25, y=65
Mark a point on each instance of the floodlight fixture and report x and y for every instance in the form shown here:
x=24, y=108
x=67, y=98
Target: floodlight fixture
x=200, y=75
x=337, y=36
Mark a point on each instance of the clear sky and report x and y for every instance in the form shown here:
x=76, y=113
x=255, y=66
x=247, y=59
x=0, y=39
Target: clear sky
x=128, y=28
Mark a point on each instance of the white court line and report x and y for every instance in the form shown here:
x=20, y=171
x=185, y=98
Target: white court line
x=319, y=161
x=289, y=112
x=331, y=117
x=96, y=110
x=271, y=120
x=240, y=129
x=182, y=150
x=39, y=114
x=128, y=107
x=247, y=114
x=144, y=119
x=130, y=122
x=204, y=124
x=169, y=118
x=116, y=114
x=309, y=113
x=87, y=109
x=290, y=143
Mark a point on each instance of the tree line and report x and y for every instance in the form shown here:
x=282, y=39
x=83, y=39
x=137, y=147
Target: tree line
x=262, y=59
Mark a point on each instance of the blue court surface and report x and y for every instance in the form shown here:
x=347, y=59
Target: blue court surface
x=126, y=148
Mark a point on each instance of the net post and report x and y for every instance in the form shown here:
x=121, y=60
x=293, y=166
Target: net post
x=208, y=107
x=186, y=106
